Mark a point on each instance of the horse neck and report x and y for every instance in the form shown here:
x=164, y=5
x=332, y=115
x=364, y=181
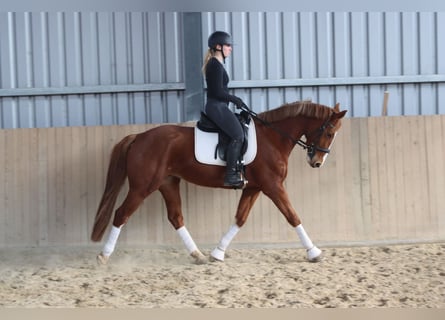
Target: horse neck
x=295, y=127
x=287, y=132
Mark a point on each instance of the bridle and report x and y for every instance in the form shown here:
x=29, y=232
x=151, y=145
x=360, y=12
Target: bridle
x=311, y=148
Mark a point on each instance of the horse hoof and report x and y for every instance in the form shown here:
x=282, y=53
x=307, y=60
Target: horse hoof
x=217, y=255
x=101, y=259
x=198, y=257
x=314, y=254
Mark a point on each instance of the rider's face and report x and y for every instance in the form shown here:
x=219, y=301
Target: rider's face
x=227, y=49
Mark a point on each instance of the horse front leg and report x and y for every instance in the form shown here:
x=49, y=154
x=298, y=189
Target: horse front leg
x=248, y=198
x=170, y=192
x=281, y=200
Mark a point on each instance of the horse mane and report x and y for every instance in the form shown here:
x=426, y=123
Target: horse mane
x=298, y=108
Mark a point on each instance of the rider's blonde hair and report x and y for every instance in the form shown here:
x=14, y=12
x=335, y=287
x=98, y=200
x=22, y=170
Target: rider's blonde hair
x=210, y=53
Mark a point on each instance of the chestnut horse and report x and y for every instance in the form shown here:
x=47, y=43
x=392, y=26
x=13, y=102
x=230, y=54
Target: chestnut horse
x=159, y=158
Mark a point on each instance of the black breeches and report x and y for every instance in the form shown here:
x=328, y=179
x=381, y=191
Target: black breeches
x=225, y=119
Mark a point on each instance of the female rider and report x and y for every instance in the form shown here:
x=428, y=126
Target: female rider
x=218, y=98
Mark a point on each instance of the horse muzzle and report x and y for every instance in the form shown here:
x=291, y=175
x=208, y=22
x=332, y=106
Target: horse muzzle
x=316, y=160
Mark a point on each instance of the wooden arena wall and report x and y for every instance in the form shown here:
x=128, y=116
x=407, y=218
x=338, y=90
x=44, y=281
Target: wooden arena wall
x=383, y=182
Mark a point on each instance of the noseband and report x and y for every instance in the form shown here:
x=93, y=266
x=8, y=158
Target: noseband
x=311, y=149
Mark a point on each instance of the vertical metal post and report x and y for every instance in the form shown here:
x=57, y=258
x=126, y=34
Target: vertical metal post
x=385, y=104
x=193, y=58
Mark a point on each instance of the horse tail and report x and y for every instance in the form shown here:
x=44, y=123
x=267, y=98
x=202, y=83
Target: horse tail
x=116, y=175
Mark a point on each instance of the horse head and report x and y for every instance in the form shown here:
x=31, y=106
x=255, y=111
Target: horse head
x=320, y=139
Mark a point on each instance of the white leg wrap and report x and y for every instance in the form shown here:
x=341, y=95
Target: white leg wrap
x=111, y=242
x=218, y=252
x=228, y=237
x=313, y=253
x=187, y=238
x=304, y=238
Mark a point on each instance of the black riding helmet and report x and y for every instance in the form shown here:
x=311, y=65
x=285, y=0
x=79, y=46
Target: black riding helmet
x=221, y=38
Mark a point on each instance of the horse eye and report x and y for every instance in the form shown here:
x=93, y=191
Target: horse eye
x=329, y=135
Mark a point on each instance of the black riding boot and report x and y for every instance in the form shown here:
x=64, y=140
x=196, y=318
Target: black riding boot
x=234, y=176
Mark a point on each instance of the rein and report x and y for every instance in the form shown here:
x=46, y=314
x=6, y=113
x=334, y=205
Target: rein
x=310, y=148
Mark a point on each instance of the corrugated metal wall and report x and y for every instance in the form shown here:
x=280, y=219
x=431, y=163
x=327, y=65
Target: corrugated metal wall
x=71, y=69
x=351, y=58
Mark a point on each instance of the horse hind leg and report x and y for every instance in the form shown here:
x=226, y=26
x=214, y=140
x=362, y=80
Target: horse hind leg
x=170, y=192
x=123, y=213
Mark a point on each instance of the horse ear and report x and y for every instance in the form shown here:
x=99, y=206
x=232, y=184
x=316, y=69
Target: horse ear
x=341, y=114
x=337, y=107
x=338, y=115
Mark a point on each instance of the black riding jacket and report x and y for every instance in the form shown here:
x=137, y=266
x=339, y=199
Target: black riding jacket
x=217, y=80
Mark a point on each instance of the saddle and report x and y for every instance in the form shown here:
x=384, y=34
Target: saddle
x=207, y=125
x=209, y=136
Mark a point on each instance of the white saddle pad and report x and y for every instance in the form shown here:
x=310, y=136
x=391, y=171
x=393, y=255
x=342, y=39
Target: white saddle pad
x=205, y=144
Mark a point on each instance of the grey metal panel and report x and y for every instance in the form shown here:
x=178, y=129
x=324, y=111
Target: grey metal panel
x=193, y=55
x=440, y=53
x=346, y=57
x=436, y=78
x=128, y=88
x=89, y=68
x=290, y=36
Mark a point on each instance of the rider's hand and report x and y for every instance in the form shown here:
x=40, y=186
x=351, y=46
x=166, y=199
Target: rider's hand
x=239, y=103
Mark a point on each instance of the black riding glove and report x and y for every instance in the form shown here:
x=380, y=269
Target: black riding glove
x=238, y=102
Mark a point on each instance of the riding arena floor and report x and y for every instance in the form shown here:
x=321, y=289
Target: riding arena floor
x=409, y=275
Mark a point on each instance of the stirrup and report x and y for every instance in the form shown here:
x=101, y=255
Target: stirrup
x=239, y=184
